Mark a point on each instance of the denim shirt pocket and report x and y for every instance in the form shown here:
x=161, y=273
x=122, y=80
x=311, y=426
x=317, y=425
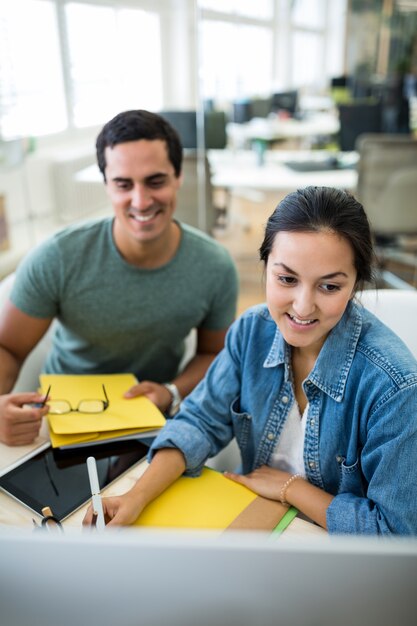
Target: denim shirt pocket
x=242, y=423
x=351, y=479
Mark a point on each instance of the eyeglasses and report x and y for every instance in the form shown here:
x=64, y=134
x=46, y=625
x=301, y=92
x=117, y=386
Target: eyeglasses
x=60, y=407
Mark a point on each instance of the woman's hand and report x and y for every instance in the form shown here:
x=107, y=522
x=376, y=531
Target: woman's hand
x=118, y=511
x=265, y=481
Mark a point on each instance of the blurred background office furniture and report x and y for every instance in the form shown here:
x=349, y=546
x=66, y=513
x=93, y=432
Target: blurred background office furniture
x=397, y=308
x=387, y=187
x=275, y=129
x=215, y=136
x=357, y=118
x=232, y=170
x=285, y=101
x=186, y=125
x=195, y=201
x=241, y=111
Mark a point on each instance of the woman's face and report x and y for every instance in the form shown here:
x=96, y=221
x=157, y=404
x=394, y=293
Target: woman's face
x=310, y=278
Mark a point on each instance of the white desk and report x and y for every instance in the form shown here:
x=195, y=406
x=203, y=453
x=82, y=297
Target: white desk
x=239, y=169
x=15, y=514
x=276, y=129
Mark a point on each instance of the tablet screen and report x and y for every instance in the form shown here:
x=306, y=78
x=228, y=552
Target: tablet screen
x=59, y=478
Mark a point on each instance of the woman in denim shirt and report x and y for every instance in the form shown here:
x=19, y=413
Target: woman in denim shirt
x=320, y=395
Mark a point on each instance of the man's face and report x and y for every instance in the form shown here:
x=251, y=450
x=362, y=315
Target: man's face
x=142, y=187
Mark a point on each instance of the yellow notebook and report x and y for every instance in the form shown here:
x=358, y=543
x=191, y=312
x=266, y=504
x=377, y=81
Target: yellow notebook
x=211, y=502
x=124, y=418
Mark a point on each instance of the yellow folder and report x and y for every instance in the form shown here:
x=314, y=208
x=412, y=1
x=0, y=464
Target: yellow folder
x=122, y=419
x=211, y=502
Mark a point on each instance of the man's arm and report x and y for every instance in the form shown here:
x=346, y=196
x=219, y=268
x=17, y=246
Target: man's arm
x=209, y=344
x=19, y=334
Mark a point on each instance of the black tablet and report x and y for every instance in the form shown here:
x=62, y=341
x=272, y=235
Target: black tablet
x=59, y=478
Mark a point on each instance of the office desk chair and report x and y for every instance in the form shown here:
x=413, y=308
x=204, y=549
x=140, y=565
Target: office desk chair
x=387, y=188
x=28, y=379
x=387, y=182
x=397, y=309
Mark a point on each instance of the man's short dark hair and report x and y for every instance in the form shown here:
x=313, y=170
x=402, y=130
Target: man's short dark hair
x=134, y=125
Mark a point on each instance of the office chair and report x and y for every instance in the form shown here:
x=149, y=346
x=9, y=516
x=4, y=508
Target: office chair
x=387, y=184
x=397, y=309
x=387, y=188
x=355, y=119
x=28, y=379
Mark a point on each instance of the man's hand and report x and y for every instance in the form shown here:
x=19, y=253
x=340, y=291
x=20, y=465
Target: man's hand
x=20, y=419
x=158, y=394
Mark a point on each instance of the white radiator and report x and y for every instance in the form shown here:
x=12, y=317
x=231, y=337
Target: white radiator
x=76, y=200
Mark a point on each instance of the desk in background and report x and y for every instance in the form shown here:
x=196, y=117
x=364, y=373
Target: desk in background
x=273, y=129
x=240, y=169
x=12, y=513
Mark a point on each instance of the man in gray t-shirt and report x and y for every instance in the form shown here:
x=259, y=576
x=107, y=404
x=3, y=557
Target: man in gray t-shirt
x=125, y=291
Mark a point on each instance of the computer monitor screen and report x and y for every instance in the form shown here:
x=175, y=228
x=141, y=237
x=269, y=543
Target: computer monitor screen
x=285, y=101
x=130, y=577
x=185, y=123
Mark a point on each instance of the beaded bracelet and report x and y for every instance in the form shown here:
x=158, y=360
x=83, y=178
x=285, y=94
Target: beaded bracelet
x=285, y=487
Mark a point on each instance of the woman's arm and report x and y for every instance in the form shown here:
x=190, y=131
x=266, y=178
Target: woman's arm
x=287, y=488
x=166, y=466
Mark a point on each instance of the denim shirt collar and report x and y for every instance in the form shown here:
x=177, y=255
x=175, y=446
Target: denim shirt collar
x=332, y=367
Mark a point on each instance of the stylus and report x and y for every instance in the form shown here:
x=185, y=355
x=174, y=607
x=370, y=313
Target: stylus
x=95, y=493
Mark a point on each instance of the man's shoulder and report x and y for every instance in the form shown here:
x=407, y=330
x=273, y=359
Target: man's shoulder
x=83, y=229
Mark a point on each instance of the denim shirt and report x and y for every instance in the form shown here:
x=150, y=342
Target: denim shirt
x=361, y=434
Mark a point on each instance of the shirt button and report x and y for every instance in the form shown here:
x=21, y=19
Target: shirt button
x=312, y=422
x=285, y=399
x=271, y=436
x=311, y=464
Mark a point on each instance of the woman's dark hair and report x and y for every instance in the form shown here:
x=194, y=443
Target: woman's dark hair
x=315, y=209
x=134, y=125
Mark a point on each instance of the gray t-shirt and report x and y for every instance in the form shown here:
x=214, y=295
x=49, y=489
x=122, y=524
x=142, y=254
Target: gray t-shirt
x=114, y=317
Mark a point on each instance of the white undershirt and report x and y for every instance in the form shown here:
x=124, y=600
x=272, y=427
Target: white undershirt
x=288, y=453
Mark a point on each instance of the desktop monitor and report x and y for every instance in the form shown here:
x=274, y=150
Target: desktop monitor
x=242, y=111
x=131, y=577
x=357, y=118
x=285, y=101
x=261, y=107
x=185, y=123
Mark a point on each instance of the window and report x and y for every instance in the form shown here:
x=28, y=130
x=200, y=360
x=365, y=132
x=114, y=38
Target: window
x=119, y=68
x=32, y=100
x=108, y=59
x=230, y=67
x=261, y=9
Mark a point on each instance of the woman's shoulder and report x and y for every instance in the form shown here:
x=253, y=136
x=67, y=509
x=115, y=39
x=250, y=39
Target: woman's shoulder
x=384, y=348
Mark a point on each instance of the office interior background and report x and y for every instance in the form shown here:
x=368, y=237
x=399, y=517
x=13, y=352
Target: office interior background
x=215, y=68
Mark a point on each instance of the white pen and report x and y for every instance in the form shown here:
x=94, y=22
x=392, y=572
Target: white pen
x=95, y=493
